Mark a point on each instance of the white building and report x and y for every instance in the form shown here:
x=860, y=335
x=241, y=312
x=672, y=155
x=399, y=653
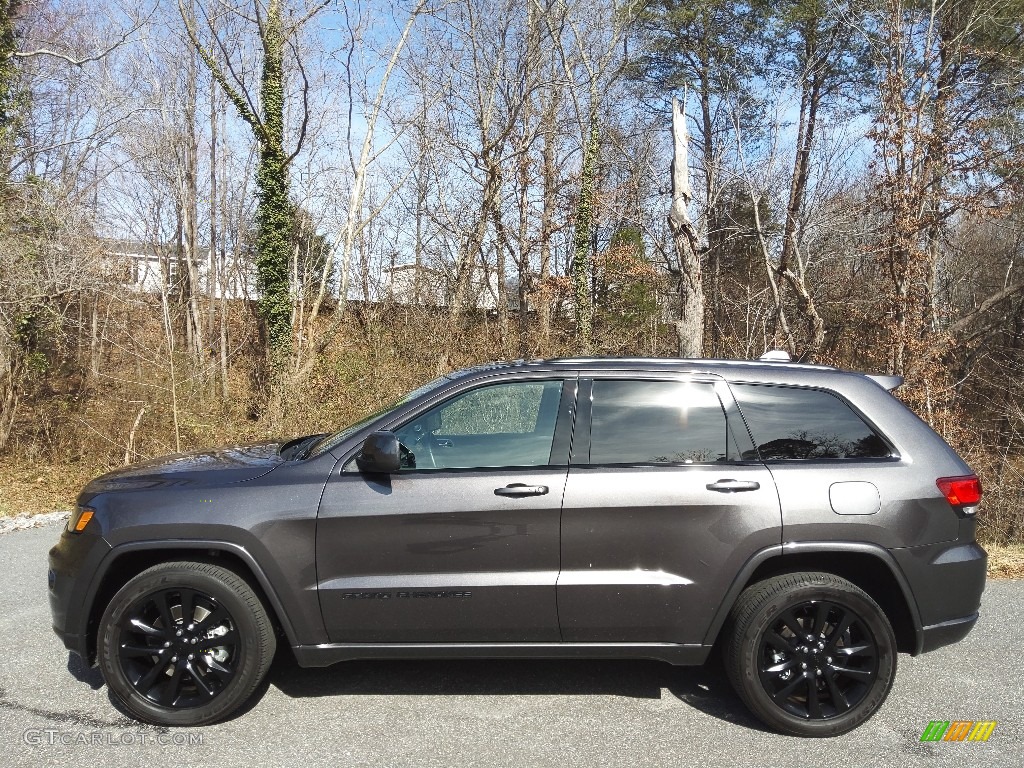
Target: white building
x=153, y=268
x=413, y=284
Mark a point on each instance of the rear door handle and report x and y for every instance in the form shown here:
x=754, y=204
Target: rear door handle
x=521, y=489
x=733, y=486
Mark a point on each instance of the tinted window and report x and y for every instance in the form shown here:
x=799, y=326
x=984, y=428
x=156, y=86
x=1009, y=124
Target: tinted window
x=656, y=422
x=791, y=423
x=500, y=425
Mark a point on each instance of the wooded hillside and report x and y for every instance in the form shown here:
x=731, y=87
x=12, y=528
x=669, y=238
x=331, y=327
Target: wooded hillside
x=235, y=219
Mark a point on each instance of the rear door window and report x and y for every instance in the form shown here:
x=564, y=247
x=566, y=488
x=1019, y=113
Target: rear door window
x=657, y=422
x=792, y=423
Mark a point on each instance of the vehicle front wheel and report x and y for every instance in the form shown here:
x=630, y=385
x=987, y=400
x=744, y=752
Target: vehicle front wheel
x=810, y=653
x=184, y=643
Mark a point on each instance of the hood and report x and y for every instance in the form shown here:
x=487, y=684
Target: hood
x=236, y=463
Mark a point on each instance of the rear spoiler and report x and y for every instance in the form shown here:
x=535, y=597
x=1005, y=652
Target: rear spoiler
x=886, y=382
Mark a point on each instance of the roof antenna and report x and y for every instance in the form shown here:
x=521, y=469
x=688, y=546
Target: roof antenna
x=776, y=356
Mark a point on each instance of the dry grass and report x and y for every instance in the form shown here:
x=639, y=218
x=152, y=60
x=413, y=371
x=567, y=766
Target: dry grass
x=74, y=425
x=1006, y=562
x=33, y=488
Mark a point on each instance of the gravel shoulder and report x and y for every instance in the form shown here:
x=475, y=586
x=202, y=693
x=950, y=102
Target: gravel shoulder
x=12, y=523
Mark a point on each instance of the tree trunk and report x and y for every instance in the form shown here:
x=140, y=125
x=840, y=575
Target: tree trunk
x=547, y=216
x=791, y=266
x=501, y=294
x=94, y=338
x=690, y=323
x=190, y=208
x=273, y=211
x=583, y=236
x=211, y=268
x=472, y=256
x=714, y=226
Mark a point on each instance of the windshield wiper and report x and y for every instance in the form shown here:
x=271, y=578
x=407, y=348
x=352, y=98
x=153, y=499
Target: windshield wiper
x=295, y=449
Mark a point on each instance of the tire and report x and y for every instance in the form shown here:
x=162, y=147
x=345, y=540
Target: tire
x=168, y=670
x=810, y=653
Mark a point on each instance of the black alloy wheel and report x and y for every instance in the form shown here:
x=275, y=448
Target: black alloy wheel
x=818, y=660
x=179, y=647
x=810, y=653
x=184, y=643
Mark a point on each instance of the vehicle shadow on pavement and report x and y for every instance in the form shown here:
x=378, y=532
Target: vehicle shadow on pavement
x=91, y=676
x=130, y=719
x=708, y=690
x=704, y=688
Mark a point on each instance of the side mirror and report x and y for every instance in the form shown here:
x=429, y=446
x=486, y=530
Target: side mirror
x=380, y=453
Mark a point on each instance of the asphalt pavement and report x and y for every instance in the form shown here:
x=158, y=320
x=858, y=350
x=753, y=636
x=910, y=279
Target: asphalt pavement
x=491, y=713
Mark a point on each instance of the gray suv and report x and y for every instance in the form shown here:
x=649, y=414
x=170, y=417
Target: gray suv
x=797, y=518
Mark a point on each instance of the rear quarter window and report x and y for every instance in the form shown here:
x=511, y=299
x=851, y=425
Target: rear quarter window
x=792, y=424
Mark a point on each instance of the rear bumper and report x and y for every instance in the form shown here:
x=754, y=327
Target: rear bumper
x=947, y=581
x=945, y=633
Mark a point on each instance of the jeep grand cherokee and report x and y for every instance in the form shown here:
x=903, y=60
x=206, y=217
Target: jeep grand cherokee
x=798, y=518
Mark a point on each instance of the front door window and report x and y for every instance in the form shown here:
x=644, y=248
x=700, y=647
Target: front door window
x=501, y=425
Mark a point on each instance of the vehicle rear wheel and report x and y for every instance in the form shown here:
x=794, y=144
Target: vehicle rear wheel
x=810, y=653
x=184, y=643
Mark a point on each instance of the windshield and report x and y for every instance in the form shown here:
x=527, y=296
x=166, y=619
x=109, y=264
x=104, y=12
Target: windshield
x=336, y=439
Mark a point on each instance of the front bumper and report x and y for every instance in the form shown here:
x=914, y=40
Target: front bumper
x=73, y=562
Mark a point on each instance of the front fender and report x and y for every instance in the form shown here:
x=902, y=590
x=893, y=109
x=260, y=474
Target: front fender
x=296, y=607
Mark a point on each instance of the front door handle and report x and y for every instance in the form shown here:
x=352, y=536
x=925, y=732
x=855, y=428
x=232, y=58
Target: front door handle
x=521, y=489
x=733, y=486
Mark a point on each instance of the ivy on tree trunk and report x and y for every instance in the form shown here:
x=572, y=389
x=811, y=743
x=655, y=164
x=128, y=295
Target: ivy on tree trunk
x=11, y=95
x=584, y=224
x=273, y=212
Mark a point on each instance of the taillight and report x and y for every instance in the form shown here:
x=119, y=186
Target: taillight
x=960, y=491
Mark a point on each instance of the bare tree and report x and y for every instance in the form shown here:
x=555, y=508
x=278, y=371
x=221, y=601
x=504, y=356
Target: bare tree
x=690, y=325
x=951, y=74
x=275, y=32
x=592, y=60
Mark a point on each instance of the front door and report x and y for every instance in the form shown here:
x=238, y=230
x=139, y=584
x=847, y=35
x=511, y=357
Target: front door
x=461, y=544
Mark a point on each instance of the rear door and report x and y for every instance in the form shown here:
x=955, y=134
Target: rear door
x=661, y=509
